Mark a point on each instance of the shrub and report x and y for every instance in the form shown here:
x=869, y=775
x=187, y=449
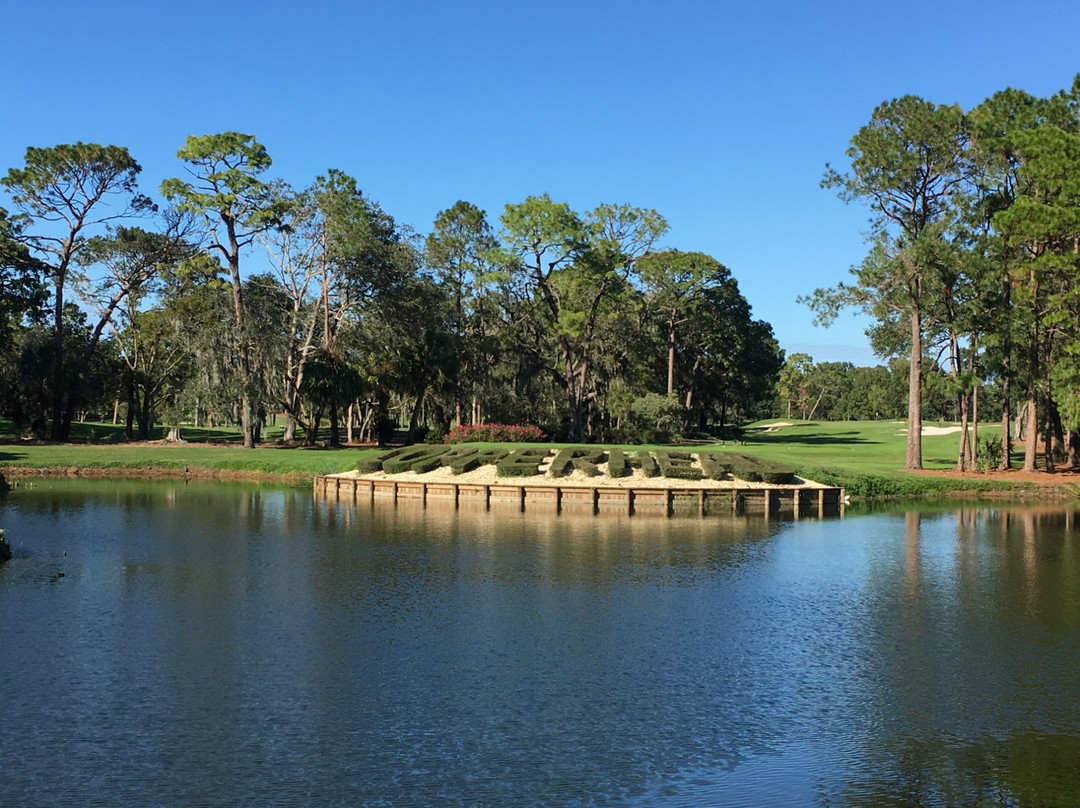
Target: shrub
x=432, y=460
x=714, y=465
x=677, y=465
x=405, y=458
x=521, y=463
x=988, y=456
x=617, y=465
x=576, y=457
x=471, y=458
x=758, y=470
x=661, y=413
x=495, y=433
x=367, y=465
x=436, y=435
x=649, y=466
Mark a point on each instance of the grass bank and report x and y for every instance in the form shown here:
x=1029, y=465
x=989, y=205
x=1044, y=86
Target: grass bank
x=205, y=453
x=864, y=457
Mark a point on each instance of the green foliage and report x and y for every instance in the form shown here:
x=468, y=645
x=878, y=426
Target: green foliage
x=989, y=454
x=523, y=462
x=877, y=486
x=366, y=465
x=404, y=459
x=661, y=415
x=753, y=469
x=468, y=460
x=677, y=465
x=617, y=463
x=226, y=167
x=430, y=461
x=579, y=458
x=649, y=466
x=716, y=466
x=65, y=182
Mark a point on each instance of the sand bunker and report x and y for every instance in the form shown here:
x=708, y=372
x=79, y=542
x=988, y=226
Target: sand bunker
x=934, y=430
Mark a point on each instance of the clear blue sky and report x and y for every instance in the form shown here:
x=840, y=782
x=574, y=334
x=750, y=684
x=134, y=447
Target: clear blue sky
x=721, y=116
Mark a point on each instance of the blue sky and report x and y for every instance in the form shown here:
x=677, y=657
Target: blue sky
x=720, y=116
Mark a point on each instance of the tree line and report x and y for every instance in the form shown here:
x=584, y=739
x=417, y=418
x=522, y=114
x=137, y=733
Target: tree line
x=234, y=297
x=973, y=266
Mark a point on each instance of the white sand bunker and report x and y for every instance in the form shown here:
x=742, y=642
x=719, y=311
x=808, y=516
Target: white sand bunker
x=773, y=427
x=934, y=430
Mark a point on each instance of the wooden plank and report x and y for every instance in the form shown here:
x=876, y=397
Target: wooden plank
x=672, y=500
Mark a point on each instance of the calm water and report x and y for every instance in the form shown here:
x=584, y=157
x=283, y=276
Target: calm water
x=215, y=645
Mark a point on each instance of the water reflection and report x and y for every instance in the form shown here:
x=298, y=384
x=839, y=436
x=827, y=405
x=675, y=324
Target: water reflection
x=231, y=645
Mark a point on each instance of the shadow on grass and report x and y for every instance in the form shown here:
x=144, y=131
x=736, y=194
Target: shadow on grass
x=7, y=457
x=851, y=437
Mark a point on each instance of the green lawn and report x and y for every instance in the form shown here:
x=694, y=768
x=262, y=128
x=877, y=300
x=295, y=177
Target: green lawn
x=866, y=447
x=215, y=449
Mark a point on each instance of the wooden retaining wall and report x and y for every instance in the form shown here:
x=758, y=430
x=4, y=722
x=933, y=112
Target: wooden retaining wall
x=791, y=502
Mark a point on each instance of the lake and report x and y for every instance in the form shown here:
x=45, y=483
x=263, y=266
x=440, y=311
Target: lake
x=216, y=644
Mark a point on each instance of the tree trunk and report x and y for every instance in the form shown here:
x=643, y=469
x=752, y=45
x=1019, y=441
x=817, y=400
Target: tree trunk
x=129, y=416
x=311, y=431
x=335, y=435
x=913, y=457
x=414, y=416
x=1006, y=428
x=573, y=396
x=59, y=382
x=671, y=358
x=975, y=425
x=1048, y=440
x=1056, y=428
x=1031, y=428
x=1006, y=380
x=142, y=415
x=240, y=339
x=963, y=458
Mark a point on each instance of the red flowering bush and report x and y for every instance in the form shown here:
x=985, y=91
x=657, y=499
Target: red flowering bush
x=495, y=433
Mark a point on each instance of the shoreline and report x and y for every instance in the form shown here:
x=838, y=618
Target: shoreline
x=1014, y=485
x=155, y=472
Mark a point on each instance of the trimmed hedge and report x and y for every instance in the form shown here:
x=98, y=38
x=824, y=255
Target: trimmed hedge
x=715, y=465
x=649, y=467
x=616, y=464
x=620, y=463
x=407, y=458
x=424, y=458
x=471, y=458
x=581, y=458
x=366, y=465
x=677, y=466
x=521, y=463
x=758, y=470
x=525, y=462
